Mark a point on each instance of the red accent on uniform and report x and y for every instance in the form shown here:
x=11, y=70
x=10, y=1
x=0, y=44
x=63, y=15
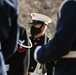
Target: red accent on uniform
x=21, y=50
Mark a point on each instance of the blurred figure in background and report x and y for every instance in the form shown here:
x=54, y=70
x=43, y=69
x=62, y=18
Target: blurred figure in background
x=38, y=37
x=18, y=64
x=62, y=47
x=9, y=31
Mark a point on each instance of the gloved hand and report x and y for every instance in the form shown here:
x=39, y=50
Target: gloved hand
x=35, y=53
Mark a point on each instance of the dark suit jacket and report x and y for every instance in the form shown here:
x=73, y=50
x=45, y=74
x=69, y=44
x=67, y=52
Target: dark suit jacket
x=63, y=41
x=9, y=27
x=9, y=30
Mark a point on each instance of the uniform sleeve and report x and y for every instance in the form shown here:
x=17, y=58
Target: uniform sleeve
x=10, y=26
x=4, y=28
x=65, y=34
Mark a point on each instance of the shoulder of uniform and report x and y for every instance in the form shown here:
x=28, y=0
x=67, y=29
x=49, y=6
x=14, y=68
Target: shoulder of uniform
x=67, y=5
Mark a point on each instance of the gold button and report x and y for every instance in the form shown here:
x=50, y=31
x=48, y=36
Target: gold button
x=38, y=39
x=31, y=67
x=35, y=43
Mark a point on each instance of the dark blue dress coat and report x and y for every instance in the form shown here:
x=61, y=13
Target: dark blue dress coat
x=63, y=41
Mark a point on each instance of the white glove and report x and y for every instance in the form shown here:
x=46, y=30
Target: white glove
x=35, y=53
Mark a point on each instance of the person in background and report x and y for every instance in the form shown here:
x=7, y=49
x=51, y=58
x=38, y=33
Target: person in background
x=62, y=47
x=19, y=62
x=38, y=37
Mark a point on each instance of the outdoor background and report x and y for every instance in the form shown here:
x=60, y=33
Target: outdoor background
x=46, y=7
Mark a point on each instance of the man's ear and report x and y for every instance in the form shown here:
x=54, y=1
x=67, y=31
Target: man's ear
x=44, y=27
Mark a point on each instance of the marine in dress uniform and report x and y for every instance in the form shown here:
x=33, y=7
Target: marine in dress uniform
x=18, y=63
x=38, y=37
x=62, y=47
x=8, y=25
